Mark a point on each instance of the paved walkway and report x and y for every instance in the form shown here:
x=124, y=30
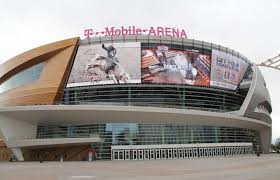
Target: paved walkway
x=265, y=167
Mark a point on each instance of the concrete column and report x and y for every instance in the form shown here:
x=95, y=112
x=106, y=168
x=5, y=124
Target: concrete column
x=18, y=153
x=13, y=129
x=265, y=135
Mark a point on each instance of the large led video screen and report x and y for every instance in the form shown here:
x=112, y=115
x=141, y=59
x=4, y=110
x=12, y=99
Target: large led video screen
x=115, y=63
x=227, y=71
x=165, y=66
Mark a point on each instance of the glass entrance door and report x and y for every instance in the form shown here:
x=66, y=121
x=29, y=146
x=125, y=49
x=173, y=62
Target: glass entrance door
x=152, y=154
x=186, y=152
x=209, y=152
x=170, y=154
x=163, y=154
x=146, y=154
x=127, y=154
x=190, y=152
x=115, y=155
x=181, y=153
x=140, y=154
x=205, y=152
x=222, y=151
x=157, y=153
x=214, y=151
x=226, y=151
x=195, y=153
x=175, y=153
x=200, y=151
x=218, y=151
x=121, y=154
x=134, y=153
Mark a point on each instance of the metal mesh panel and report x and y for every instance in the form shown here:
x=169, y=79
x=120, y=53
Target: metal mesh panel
x=186, y=97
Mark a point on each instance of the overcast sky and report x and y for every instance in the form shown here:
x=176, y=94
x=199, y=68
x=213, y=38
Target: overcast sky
x=250, y=27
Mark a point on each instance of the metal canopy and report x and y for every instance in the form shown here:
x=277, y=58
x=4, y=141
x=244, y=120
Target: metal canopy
x=272, y=63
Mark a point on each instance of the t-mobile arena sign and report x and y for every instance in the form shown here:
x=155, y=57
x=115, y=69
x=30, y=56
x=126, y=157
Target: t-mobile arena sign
x=133, y=30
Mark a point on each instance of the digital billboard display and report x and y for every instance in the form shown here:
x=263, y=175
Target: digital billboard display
x=165, y=66
x=106, y=64
x=227, y=71
x=125, y=63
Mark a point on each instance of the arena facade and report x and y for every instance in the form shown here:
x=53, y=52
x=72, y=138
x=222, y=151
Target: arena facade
x=132, y=98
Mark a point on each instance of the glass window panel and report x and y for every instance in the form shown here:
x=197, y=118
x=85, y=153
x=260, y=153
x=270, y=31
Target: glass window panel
x=22, y=78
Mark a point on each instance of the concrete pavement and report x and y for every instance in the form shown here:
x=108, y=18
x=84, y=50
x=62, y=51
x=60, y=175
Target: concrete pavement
x=218, y=168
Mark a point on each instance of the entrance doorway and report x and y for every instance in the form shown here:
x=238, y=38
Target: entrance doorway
x=175, y=151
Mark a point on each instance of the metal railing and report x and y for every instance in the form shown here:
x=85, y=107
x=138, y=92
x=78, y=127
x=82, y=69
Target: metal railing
x=146, y=104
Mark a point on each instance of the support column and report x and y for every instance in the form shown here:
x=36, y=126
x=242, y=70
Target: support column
x=265, y=135
x=18, y=153
x=16, y=129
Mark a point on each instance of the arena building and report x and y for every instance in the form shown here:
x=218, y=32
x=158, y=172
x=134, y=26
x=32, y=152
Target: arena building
x=132, y=98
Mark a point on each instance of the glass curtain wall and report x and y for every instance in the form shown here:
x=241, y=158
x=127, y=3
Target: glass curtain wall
x=147, y=134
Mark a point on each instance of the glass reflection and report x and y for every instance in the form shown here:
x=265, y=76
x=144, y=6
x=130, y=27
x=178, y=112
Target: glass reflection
x=123, y=133
x=24, y=77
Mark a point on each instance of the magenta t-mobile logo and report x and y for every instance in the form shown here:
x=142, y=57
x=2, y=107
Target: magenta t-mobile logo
x=134, y=30
x=88, y=33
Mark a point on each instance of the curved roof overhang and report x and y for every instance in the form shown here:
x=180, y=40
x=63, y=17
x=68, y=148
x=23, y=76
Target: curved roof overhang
x=85, y=114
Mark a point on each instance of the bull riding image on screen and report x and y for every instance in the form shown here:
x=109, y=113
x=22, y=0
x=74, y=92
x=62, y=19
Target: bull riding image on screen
x=166, y=66
x=106, y=64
